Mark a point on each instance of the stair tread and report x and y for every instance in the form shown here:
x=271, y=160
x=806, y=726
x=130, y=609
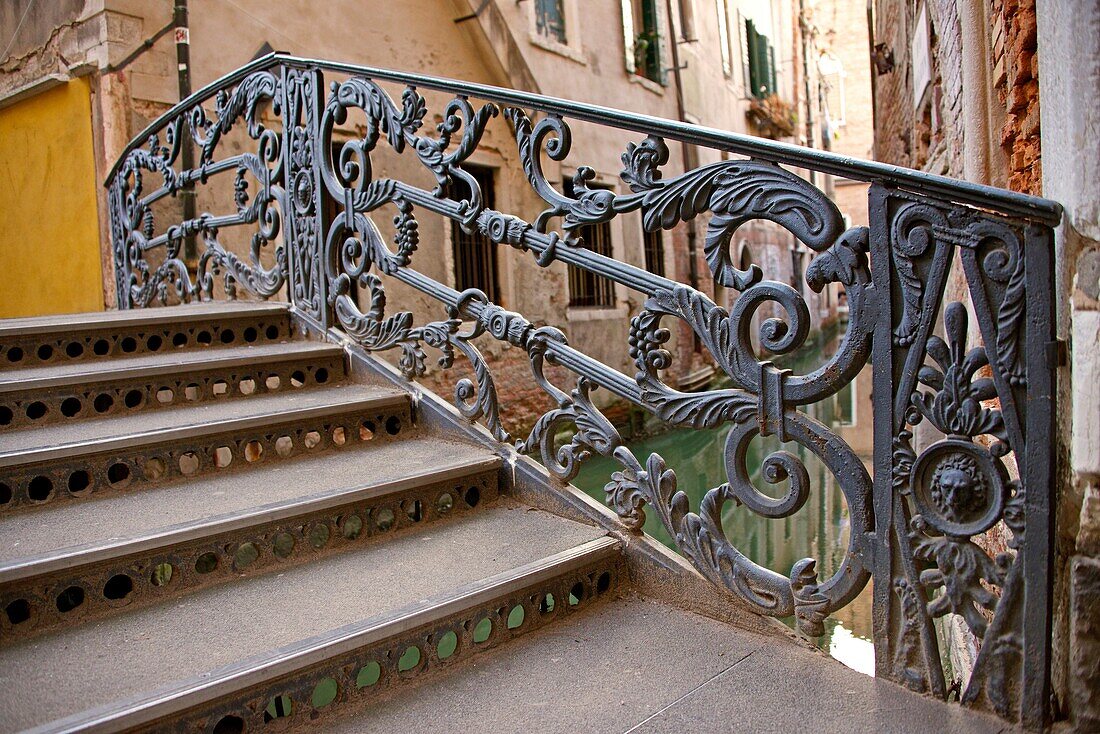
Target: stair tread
x=55, y=535
x=58, y=439
x=38, y=377
x=43, y=679
x=639, y=663
x=187, y=313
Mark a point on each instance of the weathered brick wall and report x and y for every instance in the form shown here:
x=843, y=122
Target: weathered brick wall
x=1016, y=81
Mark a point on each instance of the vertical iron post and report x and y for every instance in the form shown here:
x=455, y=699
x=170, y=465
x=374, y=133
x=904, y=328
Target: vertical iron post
x=187, y=156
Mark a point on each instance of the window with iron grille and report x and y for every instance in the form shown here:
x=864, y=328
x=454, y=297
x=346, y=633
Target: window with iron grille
x=654, y=253
x=550, y=19
x=475, y=255
x=642, y=38
x=586, y=289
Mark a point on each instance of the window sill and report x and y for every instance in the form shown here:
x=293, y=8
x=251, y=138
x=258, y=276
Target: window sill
x=647, y=83
x=596, y=313
x=561, y=49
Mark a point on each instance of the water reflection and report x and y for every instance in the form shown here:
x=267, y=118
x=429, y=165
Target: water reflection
x=819, y=530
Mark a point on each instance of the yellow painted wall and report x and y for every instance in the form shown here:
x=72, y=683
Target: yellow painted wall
x=49, y=227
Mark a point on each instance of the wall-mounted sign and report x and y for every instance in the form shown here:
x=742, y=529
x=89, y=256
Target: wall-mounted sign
x=920, y=53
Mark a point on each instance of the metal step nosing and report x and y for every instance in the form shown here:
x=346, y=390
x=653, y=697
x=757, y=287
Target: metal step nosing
x=102, y=371
x=85, y=555
x=213, y=428
x=137, y=317
x=255, y=670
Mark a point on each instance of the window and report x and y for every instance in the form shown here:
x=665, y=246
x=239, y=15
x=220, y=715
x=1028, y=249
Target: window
x=550, y=19
x=760, y=66
x=654, y=253
x=475, y=255
x=642, y=39
x=687, y=20
x=586, y=289
x=832, y=81
x=724, y=36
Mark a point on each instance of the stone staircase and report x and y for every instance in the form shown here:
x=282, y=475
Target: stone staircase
x=209, y=523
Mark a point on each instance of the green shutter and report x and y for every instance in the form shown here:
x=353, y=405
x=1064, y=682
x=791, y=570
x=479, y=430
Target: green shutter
x=771, y=70
x=752, y=41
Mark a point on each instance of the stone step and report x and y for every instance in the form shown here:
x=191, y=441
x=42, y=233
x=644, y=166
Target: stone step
x=74, y=561
x=330, y=632
x=48, y=394
x=74, y=460
x=635, y=665
x=107, y=334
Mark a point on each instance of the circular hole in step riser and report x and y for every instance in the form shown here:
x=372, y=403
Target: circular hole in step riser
x=45, y=352
x=204, y=338
x=576, y=594
x=79, y=481
x=74, y=349
x=154, y=469
x=246, y=555
x=18, y=611
x=320, y=375
x=272, y=382
x=40, y=488
x=247, y=386
x=134, y=399
x=414, y=510
x=283, y=545
x=219, y=388
x=250, y=334
x=165, y=395
x=272, y=332
x=447, y=645
x=546, y=604
x=162, y=574
x=15, y=354
x=311, y=440
x=409, y=659
x=227, y=336
x=5, y=494
x=118, y=587
x=319, y=535
x=444, y=503
x=6, y=415
x=70, y=599
x=482, y=630
x=366, y=431
x=472, y=496
x=324, y=693
x=192, y=392
x=179, y=340
x=278, y=708
x=101, y=348
x=206, y=563
x=393, y=425
x=603, y=582
x=36, y=410
x=223, y=457
x=284, y=445
x=103, y=402
x=351, y=526
x=189, y=463
x=368, y=675
x=128, y=344
x=339, y=436
x=70, y=407
x=253, y=450
x=297, y=378
x=118, y=475
x=229, y=724
x=515, y=617
x=383, y=519
x=154, y=343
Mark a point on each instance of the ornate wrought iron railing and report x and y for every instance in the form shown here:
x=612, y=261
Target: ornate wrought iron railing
x=979, y=372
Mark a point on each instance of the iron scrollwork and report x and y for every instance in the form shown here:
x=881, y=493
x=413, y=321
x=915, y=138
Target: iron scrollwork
x=917, y=525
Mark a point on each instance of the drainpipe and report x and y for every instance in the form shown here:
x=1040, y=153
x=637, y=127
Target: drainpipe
x=187, y=154
x=976, y=123
x=685, y=149
x=804, y=29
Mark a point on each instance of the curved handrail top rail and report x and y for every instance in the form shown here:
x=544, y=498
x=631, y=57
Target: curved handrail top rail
x=980, y=196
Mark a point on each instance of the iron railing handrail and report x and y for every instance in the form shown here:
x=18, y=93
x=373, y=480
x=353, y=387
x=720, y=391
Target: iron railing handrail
x=1007, y=202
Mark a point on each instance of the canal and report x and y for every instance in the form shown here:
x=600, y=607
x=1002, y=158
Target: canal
x=819, y=530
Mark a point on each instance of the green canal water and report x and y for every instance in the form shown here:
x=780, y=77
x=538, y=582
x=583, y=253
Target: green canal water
x=819, y=530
